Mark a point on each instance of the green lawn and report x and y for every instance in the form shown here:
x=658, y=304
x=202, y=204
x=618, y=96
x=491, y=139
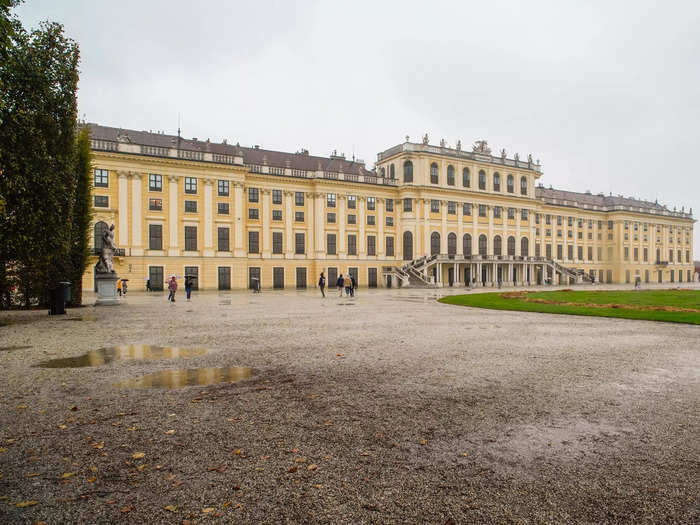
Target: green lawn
x=641, y=303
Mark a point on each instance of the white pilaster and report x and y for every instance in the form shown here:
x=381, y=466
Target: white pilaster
x=208, y=250
x=173, y=223
x=136, y=215
x=123, y=211
x=266, y=222
x=239, y=240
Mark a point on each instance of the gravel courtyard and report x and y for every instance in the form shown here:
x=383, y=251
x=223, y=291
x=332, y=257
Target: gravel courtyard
x=386, y=408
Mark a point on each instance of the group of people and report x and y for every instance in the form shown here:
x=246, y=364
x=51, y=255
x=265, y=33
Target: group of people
x=347, y=282
x=172, y=287
x=121, y=287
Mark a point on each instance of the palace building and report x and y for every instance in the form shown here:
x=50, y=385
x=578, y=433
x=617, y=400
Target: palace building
x=428, y=215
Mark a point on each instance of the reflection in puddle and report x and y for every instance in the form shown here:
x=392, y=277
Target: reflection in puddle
x=104, y=356
x=83, y=318
x=13, y=347
x=190, y=377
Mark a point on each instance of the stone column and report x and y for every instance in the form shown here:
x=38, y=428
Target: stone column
x=136, y=215
x=266, y=223
x=517, y=231
x=123, y=211
x=426, y=227
x=309, y=199
x=380, y=228
x=342, y=250
x=173, y=215
x=489, y=240
x=208, y=218
x=475, y=231
x=443, y=227
x=361, y=221
x=288, y=221
x=398, y=237
x=239, y=241
x=320, y=221
x=460, y=232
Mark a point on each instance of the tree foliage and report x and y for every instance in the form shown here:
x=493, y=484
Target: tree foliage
x=41, y=168
x=82, y=214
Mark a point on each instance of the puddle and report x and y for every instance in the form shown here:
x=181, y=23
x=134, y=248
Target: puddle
x=105, y=356
x=13, y=347
x=189, y=377
x=83, y=318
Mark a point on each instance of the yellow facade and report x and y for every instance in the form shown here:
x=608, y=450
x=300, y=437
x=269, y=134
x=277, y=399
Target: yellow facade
x=287, y=202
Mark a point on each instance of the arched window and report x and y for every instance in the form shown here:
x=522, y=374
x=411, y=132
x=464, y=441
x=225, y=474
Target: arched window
x=407, y=246
x=466, y=180
x=482, y=180
x=511, y=245
x=523, y=186
x=467, y=244
x=452, y=244
x=382, y=172
x=496, y=182
x=450, y=175
x=524, y=247
x=433, y=173
x=408, y=171
x=497, y=245
x=434, y=243
x=509, y=184
x=100, y=228
x=392, y=172
x=482, y=244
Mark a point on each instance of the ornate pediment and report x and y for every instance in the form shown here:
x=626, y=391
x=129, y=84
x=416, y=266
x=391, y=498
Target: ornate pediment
x=481, y=146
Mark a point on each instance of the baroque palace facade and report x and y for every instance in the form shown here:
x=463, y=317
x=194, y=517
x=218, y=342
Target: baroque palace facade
x=429, y=215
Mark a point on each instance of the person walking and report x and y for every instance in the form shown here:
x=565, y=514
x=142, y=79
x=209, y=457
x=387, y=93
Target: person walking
x=353, y=285
x=188, y=286
x=340, y=283
x=148, y=285
x=347, y=282
x=172, y=286
x=119, y=287
x=322, y=285
x=124, y=286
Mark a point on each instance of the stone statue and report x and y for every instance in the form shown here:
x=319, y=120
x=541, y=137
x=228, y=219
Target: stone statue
x=516, y=157
x=104, y=264
x=481, y=146
x=459, y=145
x=442, y=143
x=503, y=154
x=407, y=137
x=425, y=138
x=529, y=158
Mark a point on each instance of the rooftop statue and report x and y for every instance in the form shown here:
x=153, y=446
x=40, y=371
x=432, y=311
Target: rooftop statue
x=442, y=143
x=104, y=263
x=481, y=146
x=503, y=154
x=459, y=145
x=516, y=157
x=529, y=158
x=425, y=139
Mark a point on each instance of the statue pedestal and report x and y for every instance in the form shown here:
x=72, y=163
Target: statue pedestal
x=107, y=289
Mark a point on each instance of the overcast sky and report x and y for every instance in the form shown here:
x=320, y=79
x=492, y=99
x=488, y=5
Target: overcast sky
x=606, y=94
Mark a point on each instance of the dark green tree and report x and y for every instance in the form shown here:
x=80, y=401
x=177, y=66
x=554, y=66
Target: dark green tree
x=82, y=214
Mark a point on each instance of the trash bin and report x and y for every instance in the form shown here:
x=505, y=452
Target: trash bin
x=66, y=290
x=58, y=297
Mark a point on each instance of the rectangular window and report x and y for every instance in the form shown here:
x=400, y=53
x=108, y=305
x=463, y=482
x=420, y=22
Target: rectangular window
x=155, y=204
x=600, y=254
x=558, y=233
x=548, y=251
x=537, y=249
x=276, y=215
x=548, y=219
x=332, y=276
x=408, y=204
x=570, y=221
x=434, y=206
x=570, y=252
x=254, y=280
x=190, y=185
x=467, y=208
x=389, y=205
x=276, y=196
x=101, y=201
x=511, y=213
x=610, y=225
x=155, y=182
x=277, y=242
x=389, y=221
x=523, y=214
x=371, y=203
x=372, y=277
x=190, y=206
x=330, y=244
x=627, y=253
x=191, y=238
x=253, y=195
x=590, y=253
x=253, y=213
x=389, y=246
x=482, y=210
x=352, y=202
x=569, y=234
x=496, y=212
x=558, y=220
x=224, y=278
x=330, y=200
x=548, y=232
x=222, y=187
x=155, y=237
x=301, y=277
x=299, y=244
x=371, y=245
x=352, y=245
x=330, y=218
x=537, y=218
x=222, y=235
x=370, y=220
x=101, y=178
x=560, y=251
x=298, y=198
x=451, y=207
x=253, y=242
x=222, y=208
x=636, y=254
x=278, y=277
x=351, y=219
x=580, y=253
x=646, y=254
x=580, y=235
x=298, y=216
x=155, y=275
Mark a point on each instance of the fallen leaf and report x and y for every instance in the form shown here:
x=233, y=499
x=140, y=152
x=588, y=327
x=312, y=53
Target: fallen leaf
x=62, y=427
x=138, y=455
x=313, y=466
x=294, y=450
x=465, y=454
x=126, y=509
x=23, y=504
x=220, y=468
x=227, y=503
x=67, y=475
x=238, y=506
x=141, y=467
x=131, y=429
x=171, y=508
x=99, y=445
x=292, y=469
x=170, y=432
x=300, y=460
x=207, y=510
x=33, y=475
x=93, y=468
x=423, y=441
x=22, y=407
x=364, y=453
x=74, y=408
x=92, y=479
x=10, y=440
x=340, y=355
x=170, y=477
x=3, y=449
x=238, y=452
x=264, y=457
x=178, y=483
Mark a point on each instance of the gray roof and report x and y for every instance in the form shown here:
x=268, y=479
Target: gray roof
x=298, y=161
x=600, y=200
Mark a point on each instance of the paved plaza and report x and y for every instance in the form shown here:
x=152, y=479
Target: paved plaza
x=384, y=408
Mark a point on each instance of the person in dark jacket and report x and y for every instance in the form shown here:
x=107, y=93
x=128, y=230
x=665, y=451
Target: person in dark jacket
x=339, y=284
x=322, y=284
x=354, y=285
x=188, y=286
